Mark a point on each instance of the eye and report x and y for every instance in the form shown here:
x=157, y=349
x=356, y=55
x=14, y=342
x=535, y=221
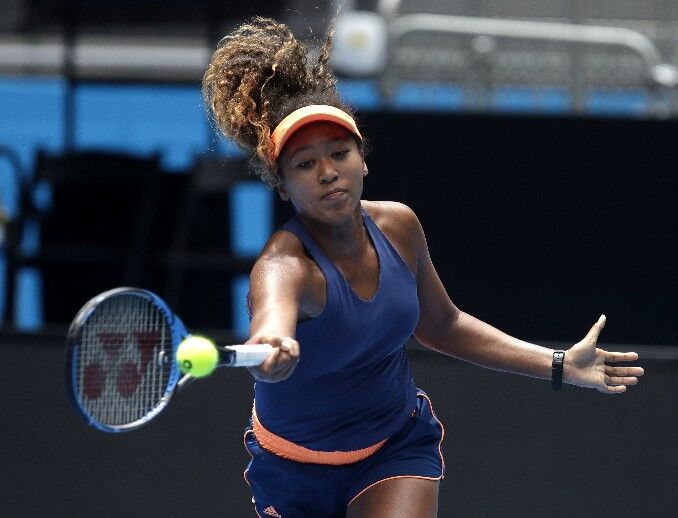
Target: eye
x=306, y=164
x=340, y=155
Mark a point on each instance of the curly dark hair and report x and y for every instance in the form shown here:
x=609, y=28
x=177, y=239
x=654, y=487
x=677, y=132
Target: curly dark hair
x=258, y=75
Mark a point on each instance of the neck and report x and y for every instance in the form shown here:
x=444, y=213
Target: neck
x=342, y=241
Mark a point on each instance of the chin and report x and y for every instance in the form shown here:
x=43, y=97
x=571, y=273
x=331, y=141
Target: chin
x=333, y=216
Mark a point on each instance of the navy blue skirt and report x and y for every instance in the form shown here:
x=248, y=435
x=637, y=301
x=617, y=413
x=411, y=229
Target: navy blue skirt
x=284, y=488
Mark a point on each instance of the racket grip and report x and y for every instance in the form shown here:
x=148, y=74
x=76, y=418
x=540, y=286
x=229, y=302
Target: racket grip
x=249, y=355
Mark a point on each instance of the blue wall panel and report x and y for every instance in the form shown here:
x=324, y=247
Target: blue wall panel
x=32, y=115
x=142, y=119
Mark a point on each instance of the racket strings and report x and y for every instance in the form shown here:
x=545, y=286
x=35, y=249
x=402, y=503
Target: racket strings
x=122, y=366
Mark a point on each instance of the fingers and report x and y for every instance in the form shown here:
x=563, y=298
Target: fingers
x=614, y=385
x=618, y=378
x=615, y=389
x=613, y=357
x=612, y=380
x=281, y=362
x=286, y=344
x=624, y=371
x=594, y=332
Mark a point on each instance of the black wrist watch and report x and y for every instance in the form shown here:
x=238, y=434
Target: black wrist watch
x=557, y=369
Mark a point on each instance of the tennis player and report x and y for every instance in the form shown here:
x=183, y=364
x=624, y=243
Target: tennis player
x=338, y=426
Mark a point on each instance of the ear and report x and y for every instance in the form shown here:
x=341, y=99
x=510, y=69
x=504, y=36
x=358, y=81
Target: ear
x=365, y=171
x=283, y=193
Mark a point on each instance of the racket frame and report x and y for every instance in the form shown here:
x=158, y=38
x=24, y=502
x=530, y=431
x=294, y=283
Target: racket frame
x=178, y=333
x=229, y=356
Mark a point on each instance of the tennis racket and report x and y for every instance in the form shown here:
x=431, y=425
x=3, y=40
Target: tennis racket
x=121, y=367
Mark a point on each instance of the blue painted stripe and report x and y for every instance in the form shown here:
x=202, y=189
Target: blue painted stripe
x=3, y=288
x=27, y=101
x=251, y=225
x=362, y=94
x=32, y=115
x=532, y=100
x=251, y=217
x=31, y=111
x=555, y=100
x=429, y=97
x=618, y=102
x=9, y=188
x=28, y=300
x=240, y=319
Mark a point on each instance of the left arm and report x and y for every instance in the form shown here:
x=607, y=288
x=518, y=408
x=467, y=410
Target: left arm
x=445, y=328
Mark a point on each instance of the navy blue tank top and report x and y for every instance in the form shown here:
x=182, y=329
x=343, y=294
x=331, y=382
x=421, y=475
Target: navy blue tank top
x=352, y=386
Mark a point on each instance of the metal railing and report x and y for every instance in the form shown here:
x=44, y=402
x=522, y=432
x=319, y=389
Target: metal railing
x=658, y=78
x=107, y=57
x=658, y=72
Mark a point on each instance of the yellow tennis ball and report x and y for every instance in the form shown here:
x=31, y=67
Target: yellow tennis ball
x=197, y=356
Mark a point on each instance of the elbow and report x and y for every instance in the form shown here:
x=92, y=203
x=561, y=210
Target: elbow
x=455, y=316
x=439, y=334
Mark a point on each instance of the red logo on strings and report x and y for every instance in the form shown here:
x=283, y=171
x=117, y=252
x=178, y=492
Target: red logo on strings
x=128, y=374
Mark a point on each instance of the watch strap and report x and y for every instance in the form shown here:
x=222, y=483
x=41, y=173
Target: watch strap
x=557, y=369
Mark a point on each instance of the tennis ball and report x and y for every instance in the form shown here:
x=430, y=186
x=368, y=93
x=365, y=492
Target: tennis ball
x=197, y=356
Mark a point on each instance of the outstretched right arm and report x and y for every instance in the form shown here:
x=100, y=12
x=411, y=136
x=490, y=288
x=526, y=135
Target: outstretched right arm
x=278, y=290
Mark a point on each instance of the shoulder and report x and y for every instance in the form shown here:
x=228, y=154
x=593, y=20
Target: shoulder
x=393, y=217
x=283, y=250
x=390, y=213
x=401, y=226
x=284, y=272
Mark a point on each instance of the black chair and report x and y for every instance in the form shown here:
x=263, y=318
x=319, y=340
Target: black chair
x=97, y=227
x=199, y=262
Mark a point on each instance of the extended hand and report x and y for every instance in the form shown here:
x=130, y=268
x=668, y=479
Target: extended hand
x=281, y=362
x=586, y=365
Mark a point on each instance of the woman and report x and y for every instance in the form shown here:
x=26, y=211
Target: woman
x=338, y=426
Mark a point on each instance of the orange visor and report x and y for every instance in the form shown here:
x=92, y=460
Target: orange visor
x=307, y=115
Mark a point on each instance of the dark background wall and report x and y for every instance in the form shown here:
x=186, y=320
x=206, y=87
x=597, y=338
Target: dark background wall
x=539, y=225
x=535, y=225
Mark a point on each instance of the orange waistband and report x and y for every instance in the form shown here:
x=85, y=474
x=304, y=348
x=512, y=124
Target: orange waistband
x=291, y=451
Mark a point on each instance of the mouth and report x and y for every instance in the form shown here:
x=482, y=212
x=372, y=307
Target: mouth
x=334, y=193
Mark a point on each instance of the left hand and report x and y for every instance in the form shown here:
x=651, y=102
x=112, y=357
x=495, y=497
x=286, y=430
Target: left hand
x=586, y=365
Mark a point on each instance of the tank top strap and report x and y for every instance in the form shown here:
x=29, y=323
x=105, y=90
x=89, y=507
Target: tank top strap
x=388, y=255
x=295, y=226
x=375, y=232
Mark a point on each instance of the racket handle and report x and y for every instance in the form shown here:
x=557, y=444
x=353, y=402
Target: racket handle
x=249, y=355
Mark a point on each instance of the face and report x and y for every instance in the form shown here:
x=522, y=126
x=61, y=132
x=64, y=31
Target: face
x=322, y=173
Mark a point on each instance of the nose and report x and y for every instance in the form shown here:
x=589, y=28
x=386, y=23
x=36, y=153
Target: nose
x=327, y=173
